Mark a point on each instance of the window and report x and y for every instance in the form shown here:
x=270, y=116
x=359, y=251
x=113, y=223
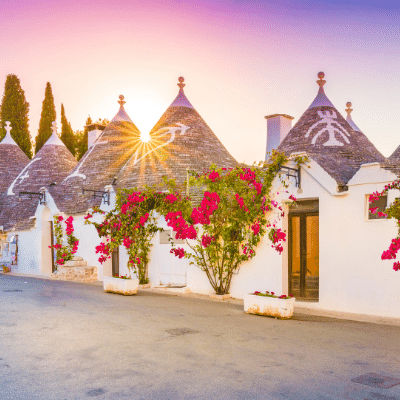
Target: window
x=381, y=204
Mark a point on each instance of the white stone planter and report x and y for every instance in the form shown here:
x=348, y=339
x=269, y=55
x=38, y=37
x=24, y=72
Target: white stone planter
x=121, y=286
x=269, y=306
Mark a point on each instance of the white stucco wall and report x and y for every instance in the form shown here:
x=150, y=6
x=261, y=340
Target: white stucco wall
x=353, y=278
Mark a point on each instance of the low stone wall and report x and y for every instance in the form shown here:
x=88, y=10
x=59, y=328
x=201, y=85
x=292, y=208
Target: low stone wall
x=76, y=270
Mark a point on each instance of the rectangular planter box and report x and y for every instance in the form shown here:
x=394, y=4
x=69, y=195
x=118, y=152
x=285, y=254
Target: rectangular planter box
x=269, y=306
x=127, y=287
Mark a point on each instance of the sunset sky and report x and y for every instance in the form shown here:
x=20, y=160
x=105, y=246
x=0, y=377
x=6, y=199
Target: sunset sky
x=241, y=60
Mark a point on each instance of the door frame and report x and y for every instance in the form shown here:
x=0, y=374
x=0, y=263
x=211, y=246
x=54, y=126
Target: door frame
x=303, y=214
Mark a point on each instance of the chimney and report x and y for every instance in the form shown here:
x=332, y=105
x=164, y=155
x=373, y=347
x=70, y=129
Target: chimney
x=278, y=126
x=94, y=131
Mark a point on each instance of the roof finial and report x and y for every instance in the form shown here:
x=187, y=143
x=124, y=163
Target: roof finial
x=121, y=100
x=8, y=128
x=181, y=85
x=54, y=127
x=321, y=81
x=348, y=109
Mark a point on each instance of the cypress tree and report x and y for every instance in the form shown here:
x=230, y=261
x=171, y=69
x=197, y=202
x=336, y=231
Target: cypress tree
x=67, y=134
x=82, y=145
x=46, y=119
x=15, y=108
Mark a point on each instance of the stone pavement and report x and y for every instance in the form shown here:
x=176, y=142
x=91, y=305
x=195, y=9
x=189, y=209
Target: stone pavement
x=66, y=340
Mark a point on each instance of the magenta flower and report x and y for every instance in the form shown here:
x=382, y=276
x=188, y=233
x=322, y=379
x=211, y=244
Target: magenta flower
x=213, y=176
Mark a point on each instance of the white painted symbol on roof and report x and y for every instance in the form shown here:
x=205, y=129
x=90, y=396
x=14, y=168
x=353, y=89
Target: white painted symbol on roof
x=157, y=135
x=24, y=177
x=329, y=117
x=21, y=176
x=76, y=172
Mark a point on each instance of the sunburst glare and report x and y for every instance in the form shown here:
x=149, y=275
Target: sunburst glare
x=145, y=137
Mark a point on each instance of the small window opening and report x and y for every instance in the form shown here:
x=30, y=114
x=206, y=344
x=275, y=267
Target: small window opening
x=381, y=205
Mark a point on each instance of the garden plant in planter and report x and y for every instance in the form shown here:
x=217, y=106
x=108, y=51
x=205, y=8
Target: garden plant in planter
x=268, y=304
x=120, y=285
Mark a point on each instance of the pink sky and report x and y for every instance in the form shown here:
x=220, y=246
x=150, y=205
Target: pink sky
x=241, y=61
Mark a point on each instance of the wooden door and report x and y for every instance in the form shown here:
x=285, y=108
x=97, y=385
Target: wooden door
x=304, y=255
x=115, y=261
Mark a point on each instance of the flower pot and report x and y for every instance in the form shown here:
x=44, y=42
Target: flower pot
x=127, y=287
x=269, y=306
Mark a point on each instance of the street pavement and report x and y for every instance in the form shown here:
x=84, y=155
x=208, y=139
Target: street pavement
x=66, y=340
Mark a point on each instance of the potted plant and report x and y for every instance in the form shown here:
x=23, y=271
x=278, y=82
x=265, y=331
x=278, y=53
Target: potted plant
x=269, y=304
x=120, y=284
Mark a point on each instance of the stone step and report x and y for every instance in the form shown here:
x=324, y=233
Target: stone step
x=73, y=263
x=80, y=263
x=77, y=274
x=76, y=258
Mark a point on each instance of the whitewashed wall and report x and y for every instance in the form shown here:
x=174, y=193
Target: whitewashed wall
x=353, y=278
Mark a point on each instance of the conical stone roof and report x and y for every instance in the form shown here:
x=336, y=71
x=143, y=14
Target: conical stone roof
x=330, y=140
x=12, y=160
x=49, y=166
x=100, y=164
x=180, y=141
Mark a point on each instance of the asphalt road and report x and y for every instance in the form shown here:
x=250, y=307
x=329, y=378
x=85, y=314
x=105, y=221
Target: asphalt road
x=64, y=340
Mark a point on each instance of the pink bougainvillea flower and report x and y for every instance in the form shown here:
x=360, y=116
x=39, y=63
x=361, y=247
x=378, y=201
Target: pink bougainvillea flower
x=179, y=252
x=206, y=240
x=396, y=266
x=291, y=197
x=171, y=198
x=213, y=176
x=256, y=228
x=127, y=242
x=144, y=219
x=60, y=218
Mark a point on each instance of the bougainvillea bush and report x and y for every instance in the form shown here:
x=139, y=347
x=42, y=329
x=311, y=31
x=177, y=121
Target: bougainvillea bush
x=393, y=211
x=64, y=252
x=224, y=229
x=132, y=223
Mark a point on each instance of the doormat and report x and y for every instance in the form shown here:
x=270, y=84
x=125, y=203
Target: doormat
x=377, y=381
x=181, y=331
